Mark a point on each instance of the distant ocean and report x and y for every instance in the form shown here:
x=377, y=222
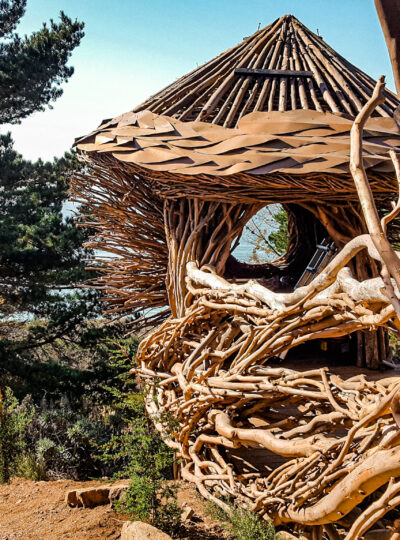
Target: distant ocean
x=243, y=251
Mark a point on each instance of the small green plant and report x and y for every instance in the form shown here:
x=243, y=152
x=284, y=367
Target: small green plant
x=243, y=524
x=147, y=461
x=14, y=418
x=154, y=500
x=142, y=456
x=31, y=467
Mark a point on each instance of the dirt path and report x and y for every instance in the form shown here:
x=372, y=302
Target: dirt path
x=36, y=511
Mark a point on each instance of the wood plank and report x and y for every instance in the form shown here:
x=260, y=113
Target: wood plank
x=273, y=72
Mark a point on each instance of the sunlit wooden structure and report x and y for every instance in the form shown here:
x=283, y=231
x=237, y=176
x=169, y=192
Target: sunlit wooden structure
x=169, y=188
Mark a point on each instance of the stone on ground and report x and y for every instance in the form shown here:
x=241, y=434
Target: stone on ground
x=95, y=495
x=137, y=530
x=187, y=513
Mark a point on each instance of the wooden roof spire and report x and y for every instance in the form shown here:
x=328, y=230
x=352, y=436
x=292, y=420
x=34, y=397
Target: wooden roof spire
x=281, y=67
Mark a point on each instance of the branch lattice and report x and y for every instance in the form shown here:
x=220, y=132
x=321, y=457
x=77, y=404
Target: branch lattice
x=339, y=438
x=328, y=448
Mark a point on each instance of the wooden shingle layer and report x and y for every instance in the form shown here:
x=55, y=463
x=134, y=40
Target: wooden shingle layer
x=292, y=142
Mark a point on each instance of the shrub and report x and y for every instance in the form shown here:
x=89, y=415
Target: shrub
x=14, y=418
x=243, y=524
x=60, y=434
x=31, y=467
x=140, y=454
x=63, y=442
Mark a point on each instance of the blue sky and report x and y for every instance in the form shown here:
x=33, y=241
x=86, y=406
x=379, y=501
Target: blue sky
x=133, y=48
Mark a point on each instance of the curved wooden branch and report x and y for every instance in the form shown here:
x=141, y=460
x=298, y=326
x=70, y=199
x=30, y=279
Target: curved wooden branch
x=396, y=206
x=363, y=480
x=381, y=243
x=389, y=17
x=376, y=511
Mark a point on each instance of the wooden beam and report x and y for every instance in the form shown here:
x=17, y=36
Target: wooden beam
x=273, y=72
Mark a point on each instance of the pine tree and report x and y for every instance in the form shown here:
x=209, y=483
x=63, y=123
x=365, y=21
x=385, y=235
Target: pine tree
x=40, y=251
x=33, y=68
x=41, y=258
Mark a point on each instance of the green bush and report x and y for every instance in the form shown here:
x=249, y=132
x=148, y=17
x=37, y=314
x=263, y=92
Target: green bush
x=59, y=435
x=31, y=467
x=63, y=441
x=243, y=524
x=140, y=454
x=14, y=418
x=41, y=442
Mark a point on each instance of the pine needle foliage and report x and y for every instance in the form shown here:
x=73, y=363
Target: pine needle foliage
x=33, y=68
x=141, y=455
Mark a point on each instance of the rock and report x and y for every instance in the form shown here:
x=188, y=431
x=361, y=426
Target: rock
x=187, y=513
x=71, y=498
x=117, y=492
x=137, y=530
x=96, y=495
x=88, y=497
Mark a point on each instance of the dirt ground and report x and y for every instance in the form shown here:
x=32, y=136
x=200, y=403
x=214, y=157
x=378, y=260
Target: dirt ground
x=37, y=511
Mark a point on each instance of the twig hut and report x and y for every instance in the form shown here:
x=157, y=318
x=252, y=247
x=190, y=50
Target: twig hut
x=177, y=179
x=169, y=188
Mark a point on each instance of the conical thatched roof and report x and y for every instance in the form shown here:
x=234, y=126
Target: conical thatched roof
x=281, y=101
x=282, y=67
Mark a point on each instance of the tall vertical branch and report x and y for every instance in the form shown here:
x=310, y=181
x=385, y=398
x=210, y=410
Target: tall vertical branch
x=374, y=225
